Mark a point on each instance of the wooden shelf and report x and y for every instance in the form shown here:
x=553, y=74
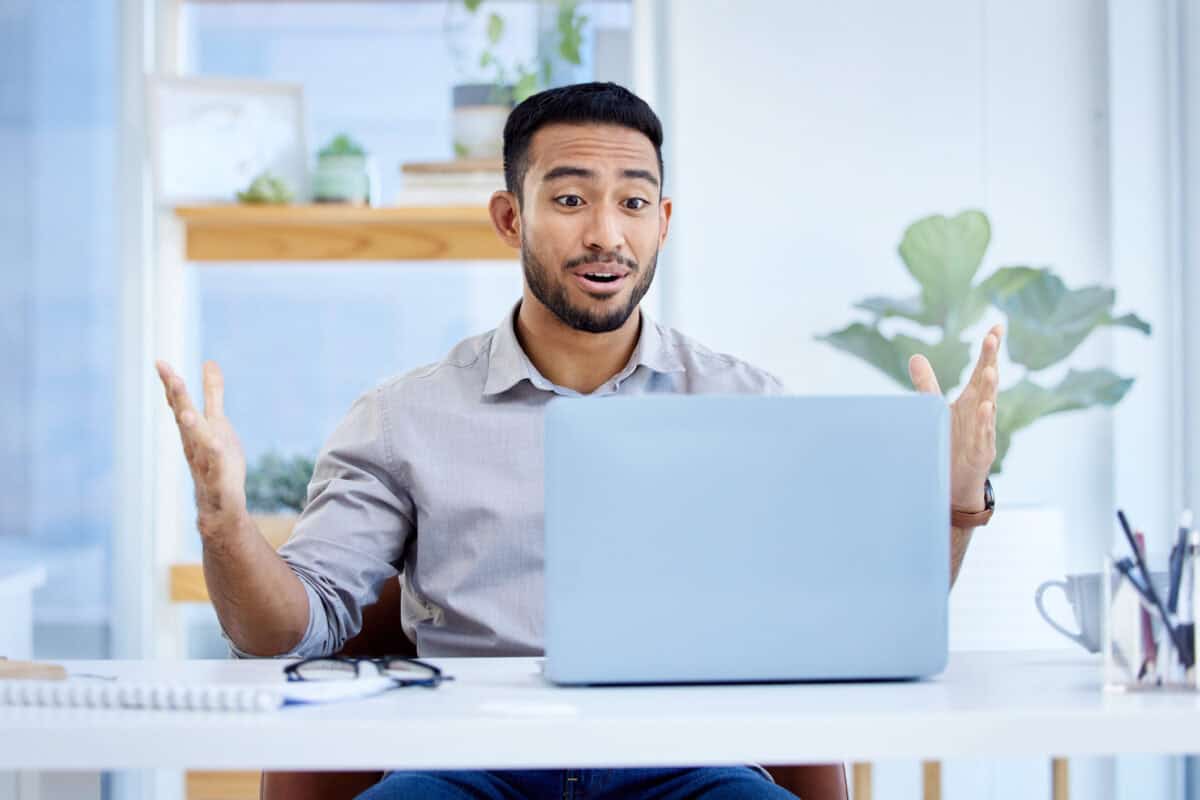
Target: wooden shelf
x=187, y=584
x=339, y=233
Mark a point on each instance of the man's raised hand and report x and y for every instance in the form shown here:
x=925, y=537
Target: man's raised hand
x=214, y=454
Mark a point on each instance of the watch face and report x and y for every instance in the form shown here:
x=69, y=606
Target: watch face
x=989, y=499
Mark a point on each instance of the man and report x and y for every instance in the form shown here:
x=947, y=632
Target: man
x=438, y=473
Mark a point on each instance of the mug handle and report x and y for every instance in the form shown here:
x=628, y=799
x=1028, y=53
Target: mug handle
x=1041, y=590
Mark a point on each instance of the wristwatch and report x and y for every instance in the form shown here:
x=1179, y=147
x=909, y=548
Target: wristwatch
x=975, y=519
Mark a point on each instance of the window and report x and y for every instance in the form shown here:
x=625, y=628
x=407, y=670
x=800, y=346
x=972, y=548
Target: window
x=58, y=296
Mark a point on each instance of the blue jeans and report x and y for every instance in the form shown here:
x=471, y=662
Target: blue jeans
x=709, y=783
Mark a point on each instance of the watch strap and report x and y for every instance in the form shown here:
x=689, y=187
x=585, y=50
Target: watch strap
x=975, y=519
x=970, y=519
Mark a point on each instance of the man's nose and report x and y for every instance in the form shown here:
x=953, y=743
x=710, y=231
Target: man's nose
x=603, y=233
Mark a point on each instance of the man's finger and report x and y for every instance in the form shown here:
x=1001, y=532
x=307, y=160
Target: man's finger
x=986, y=415
x=989, y=382
x=197, y=430
x=200, y=442
x=987, y=427
x=177, y=395
x=923, y=378
x=164, y=375
x=214, y=391
x=989, y=354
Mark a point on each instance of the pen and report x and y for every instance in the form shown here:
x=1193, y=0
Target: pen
x=1187, y=615
x=1125, y=567
x=1176, y=561
x=1149, y=644
x=1155, y=600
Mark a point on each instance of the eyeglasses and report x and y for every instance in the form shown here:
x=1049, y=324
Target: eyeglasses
x=402, y=671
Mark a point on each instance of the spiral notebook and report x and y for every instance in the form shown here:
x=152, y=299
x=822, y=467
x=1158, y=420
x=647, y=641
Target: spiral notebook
x=111, y=694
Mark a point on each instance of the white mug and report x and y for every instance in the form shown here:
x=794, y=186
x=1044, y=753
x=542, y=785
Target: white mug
x=1084, y=593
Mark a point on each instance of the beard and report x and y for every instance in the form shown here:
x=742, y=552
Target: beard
x=553, y=294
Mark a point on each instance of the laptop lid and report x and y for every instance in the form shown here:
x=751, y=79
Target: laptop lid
x=746, y=538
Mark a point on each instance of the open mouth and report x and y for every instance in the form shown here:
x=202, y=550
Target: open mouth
x=600, y=281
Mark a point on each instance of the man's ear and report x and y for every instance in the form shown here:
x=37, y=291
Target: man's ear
x=664, y=220
x=506, y=217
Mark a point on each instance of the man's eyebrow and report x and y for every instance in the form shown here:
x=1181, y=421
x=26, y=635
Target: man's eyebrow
x=641, y=174
x=568, y=172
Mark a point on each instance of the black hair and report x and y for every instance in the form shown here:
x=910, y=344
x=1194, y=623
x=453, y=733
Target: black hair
x=580, y=103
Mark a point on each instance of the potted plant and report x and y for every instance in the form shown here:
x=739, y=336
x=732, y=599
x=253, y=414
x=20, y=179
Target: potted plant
x=481, y=105
x=1046, y=322
x=266, y=189
x=341, y=173
x=276, y=491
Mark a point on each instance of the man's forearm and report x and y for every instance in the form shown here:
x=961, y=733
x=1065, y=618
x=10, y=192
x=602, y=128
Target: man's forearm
x=960, y=539
x=261, y=603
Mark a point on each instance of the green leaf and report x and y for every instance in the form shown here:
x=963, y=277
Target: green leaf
x=266, y=188
x=275, y=483
x=342, y=145
x=913, y=308
x=472, y=5
x=1003, y=279
x=570, y=31
x=1023, y=404
x=943, y=254
x=909, y=308
x=1130, y=321
x=891, y=356
x=1047, y=321
x=526, y=86
x=495, y=27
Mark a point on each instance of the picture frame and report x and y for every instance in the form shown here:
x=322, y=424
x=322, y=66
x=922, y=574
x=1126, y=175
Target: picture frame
x=210, y=137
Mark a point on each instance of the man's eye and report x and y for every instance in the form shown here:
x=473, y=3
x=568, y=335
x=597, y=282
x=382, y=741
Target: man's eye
x=643, y=203
x=569, y=200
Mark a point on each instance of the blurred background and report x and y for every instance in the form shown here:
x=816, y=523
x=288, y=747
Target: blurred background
x=295, y=190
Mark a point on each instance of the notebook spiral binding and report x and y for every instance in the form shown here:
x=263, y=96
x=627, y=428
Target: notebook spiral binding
x=155, y=696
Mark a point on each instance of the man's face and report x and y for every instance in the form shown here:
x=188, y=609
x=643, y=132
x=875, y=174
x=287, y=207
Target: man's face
x=592, y=222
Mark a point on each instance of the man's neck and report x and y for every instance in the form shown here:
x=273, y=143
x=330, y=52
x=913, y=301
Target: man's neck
x=570, y=358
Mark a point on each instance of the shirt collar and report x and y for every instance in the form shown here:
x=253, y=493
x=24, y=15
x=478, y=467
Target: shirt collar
x=508, y=365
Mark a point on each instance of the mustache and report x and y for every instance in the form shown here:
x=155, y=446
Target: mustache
x=595, y=258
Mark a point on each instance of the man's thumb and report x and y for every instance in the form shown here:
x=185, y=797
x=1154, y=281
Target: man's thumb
x=924, y=380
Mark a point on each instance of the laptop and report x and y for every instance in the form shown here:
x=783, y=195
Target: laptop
x=715, y=538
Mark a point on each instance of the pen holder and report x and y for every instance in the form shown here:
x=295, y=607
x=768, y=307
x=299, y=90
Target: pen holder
x=1141, y=650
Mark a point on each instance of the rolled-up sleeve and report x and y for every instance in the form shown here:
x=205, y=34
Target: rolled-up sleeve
x=354, y=529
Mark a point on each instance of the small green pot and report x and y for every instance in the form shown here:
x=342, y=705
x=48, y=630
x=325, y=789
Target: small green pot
x=341, y=179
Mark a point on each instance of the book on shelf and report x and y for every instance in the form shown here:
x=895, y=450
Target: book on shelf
x=450, y=183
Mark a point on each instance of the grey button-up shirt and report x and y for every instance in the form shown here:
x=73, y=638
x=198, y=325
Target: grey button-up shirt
x=437, y=474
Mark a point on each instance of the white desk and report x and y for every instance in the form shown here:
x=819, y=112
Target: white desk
x=499, y=713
